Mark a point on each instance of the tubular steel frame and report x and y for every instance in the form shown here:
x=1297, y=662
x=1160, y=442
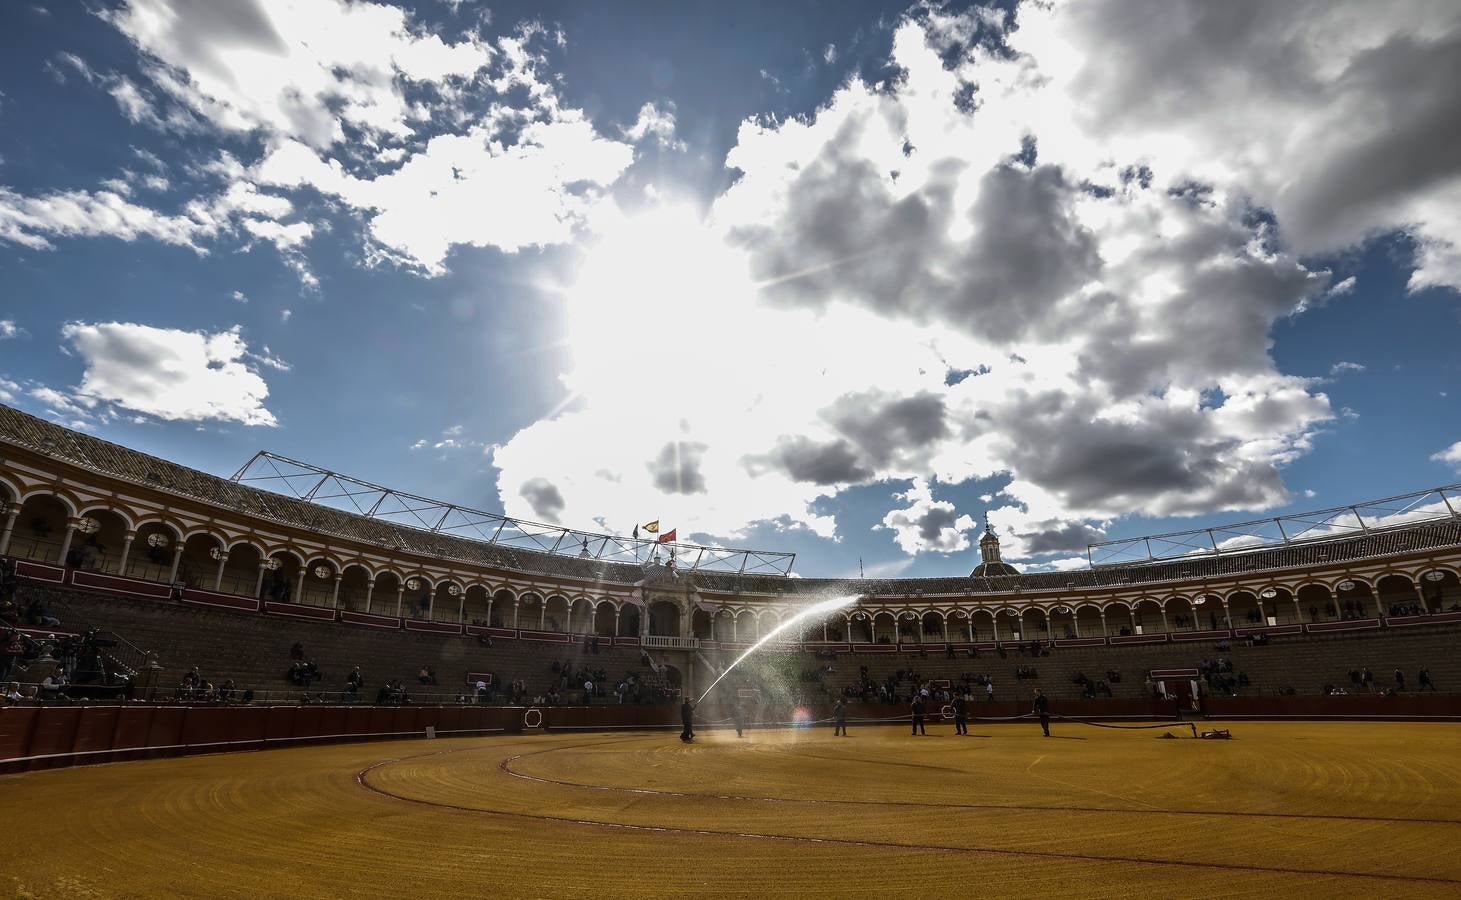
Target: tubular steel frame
x=1356, y=520
x=311, y=483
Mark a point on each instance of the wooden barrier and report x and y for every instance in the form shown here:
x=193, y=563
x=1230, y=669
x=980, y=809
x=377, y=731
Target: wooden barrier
x=1418, y=707
x=38, y=737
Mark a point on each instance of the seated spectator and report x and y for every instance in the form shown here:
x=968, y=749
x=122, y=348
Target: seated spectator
x=12, y=693
x=52, y=686
x=227, y=691
x=40, y=615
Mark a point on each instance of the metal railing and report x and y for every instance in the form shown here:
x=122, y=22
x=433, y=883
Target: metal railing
x=313, y=484
x=1356, y=520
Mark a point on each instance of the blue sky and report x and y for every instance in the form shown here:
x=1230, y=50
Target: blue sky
x=594, y=264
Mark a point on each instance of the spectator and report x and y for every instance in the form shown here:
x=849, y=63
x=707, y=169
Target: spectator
x=481, y=691
x=226, y=691
x=354, y=681
x=1424, y=679
x=1399, y=680
x=40, y=615
x=12, y=650
x=297, y=651
x=52, y=686
x=13, y=694
x=988, y=690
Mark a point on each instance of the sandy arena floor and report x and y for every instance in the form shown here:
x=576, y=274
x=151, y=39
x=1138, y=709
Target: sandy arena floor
x=1331, y=809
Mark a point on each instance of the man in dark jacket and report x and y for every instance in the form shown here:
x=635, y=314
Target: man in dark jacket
x=961, y=714
x=918, y=709
x=839, y=717
x=1042, y=709
x=687, y=718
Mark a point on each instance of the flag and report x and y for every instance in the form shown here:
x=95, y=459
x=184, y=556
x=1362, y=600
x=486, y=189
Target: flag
x=652, y=527
x=667, y=537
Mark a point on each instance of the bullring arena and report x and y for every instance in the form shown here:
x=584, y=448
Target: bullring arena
x=512, y=729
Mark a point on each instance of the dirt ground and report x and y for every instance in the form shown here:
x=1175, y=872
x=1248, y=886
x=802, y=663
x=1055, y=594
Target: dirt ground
x=1307, y=809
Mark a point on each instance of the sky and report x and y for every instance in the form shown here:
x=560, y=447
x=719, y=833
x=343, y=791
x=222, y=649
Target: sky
x=832, y=278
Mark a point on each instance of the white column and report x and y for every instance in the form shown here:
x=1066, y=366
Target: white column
x=66, y=541
x=299, y=584
x=542, y=614
x=945, y=621
x=1075, y=624
x=735, y=629
x=1105, y=632
x=514, y=614
x=259, y=582
x=971, y=629
x=369, y=590
x=1227, y=615
x=177, y=557
x=616, y=621
x=1163, y=611
x=1262, y=616
x=400, y=595
x=489, y=610
x=218, y=576
x=335, y=594
x=9, y=528
x=462, y=607
x=126, y=552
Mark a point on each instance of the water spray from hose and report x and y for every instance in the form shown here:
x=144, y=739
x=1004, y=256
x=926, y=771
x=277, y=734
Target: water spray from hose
x=816, y=609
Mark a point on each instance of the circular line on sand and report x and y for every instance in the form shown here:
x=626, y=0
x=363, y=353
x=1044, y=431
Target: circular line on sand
x=506, y=766
x=363, y=779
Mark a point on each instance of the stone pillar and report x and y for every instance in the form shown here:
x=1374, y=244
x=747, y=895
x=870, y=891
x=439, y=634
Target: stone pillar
x=462, y=607
x=946, y=629
x=1298, y=610
x=514, y=614
x=616, y=621
x=1262, y=616
x=126, y=552
x=1105, y=632
x=335, y=593
x=369, y=590
x=218, y=576
x=177, y=557
x=259, y=583
x=1227, y=614
x=66, y=541
x=489, y=610
x=971, y=629
x=542, y=613
x=9, y=528
x=1163, y=611
x=299, y=584
x=400, y=598
x=735, y=629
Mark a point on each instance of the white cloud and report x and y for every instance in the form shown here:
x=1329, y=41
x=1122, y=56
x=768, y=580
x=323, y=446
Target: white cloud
x=168, y=373
x=1451, y=455
x=8, y=390
x=240, y=297
x=1343, y=366
x=898, y=218
x=308, y=72
x=8, y=329
x=551, y=179
x=926, y=524
x=657, y=123
x=34, y=221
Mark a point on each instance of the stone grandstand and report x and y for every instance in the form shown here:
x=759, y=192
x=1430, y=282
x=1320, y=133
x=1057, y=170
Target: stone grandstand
x=205, y=571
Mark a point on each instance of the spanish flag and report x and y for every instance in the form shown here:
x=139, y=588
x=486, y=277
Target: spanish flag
x=652, y=527
x=668, y=537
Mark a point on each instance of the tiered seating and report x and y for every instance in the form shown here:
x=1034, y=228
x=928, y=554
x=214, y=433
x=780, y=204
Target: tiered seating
x=1305, y=663
x=253, y=649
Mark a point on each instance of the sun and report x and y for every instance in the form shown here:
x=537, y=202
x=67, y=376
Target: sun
x=648, y=295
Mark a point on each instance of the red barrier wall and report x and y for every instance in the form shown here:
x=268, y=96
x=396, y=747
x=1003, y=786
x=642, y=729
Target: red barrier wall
x=1348, y=706
x=34, y=737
